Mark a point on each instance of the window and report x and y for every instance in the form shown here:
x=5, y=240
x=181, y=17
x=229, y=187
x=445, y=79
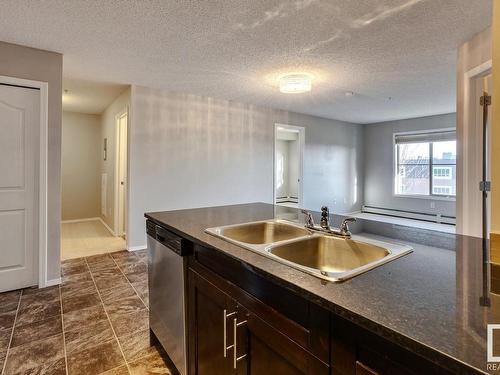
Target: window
x=425, y=164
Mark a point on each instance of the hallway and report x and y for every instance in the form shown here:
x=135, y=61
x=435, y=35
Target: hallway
x=86, y=238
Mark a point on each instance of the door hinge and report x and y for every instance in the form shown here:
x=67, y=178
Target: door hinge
x=485, y=100
x=485, y=186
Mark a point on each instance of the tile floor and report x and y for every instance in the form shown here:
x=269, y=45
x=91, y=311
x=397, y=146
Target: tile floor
x=96, y=322
x=85, y=238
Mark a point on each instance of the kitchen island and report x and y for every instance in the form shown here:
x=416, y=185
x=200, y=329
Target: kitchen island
x=425, y=312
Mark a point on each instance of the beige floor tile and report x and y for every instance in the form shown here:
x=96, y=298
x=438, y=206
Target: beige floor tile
x=130, y=323
x=93, y=335
x=123, y=291
x=34, y=354
x=24, y=334
x=95, y=360
x=151, y=364
x=137, y=345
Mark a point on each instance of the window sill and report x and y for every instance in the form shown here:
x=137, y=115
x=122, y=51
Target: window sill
x=426, y=197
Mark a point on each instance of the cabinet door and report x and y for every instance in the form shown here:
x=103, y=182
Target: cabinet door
x=208, y=329
x=264, y=350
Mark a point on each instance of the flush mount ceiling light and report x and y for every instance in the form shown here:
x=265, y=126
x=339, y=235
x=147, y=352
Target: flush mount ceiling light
x=295, y=83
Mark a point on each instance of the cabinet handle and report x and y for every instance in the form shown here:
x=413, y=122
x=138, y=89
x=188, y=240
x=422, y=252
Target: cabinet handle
x=236, y=359
x=226, y=315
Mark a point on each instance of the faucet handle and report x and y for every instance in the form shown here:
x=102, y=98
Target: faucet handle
x=309, y=218
x=344, y=227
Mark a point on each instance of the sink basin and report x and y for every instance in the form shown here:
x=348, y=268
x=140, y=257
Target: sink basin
x=330, y=254
x=324, y=256
x=262, y=232
x=335, y=258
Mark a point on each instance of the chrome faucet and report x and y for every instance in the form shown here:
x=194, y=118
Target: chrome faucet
x=324, y=227
x=325, y=218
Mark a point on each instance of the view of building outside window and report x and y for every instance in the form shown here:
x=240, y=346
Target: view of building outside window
x=427, y=168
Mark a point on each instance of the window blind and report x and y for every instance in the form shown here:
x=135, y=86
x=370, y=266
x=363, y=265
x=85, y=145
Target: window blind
x=439, y=136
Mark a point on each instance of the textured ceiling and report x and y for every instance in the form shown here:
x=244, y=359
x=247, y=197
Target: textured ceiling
x=89, y=97
x=397, y=56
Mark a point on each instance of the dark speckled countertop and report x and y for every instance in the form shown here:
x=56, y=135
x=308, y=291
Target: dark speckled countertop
x=429, y=301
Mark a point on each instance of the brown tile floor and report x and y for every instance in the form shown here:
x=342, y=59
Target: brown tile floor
x=96, y=322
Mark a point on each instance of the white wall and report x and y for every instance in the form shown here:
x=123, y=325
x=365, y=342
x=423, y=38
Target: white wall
x=80, y=163
x=379, y=159
x=108, y=166
x=190, y=151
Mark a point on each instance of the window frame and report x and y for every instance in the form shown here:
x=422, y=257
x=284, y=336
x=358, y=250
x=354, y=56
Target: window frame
x=396, y=164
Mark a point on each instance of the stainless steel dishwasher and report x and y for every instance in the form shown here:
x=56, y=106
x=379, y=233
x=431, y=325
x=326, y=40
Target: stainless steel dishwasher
x=167, y=271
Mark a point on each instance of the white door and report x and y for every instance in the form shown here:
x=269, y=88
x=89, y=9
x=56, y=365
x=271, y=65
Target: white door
x=122, y=174
x=19, y=172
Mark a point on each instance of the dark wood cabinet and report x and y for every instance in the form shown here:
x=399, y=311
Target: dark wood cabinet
x=356, y=351
x=240, y=323
x=269, y=351
x=362, y=369
x=260, y=348
x=206, y=308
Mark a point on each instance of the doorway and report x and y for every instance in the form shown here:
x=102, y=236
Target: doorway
x=478, y=81
x=288, y=165
x=93, y=114
x=121, y=175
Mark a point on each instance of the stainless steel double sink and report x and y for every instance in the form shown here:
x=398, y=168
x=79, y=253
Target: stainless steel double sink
x=325, y=256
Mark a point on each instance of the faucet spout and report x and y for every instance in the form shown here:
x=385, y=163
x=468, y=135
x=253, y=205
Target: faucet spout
x=325, y=218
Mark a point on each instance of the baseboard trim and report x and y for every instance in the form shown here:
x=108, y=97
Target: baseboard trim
x=107, y=227
x=53, y=282
x=90, y=219
x=80, y=220
x=136, y=248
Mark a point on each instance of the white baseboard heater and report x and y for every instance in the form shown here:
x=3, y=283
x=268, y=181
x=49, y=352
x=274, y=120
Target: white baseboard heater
x=287, y=200
x=415, y=215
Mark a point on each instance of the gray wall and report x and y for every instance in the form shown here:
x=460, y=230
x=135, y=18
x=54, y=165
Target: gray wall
x=333, y=163
x=378, y=171
x=80, y=167
x=34, y=64
x=190, y=151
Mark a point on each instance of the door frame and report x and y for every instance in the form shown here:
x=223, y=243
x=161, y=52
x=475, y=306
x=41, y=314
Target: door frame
x=469, y=108
x=301, y=140
x=43, y=87
x=120, y=114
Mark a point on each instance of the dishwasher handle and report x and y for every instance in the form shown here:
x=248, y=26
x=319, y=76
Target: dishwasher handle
x=171, y=241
